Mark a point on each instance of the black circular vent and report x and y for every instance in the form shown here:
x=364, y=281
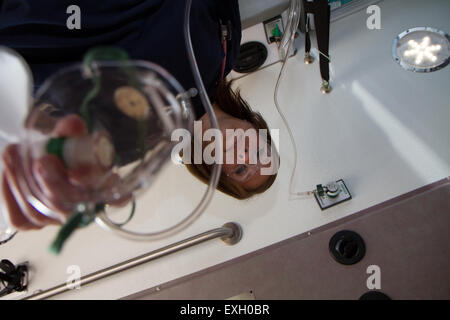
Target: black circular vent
x=252, y=56
x=347, y=247
x=374, y=295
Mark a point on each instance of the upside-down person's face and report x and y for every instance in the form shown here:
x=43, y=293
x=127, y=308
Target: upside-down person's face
x=247, y=156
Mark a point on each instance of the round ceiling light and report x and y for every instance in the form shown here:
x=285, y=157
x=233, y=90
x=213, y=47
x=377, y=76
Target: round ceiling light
x=422, y=49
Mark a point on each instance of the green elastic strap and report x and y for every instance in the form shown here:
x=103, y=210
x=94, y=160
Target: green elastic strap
x=79, y=219
x=104, y=54
x=98, y=54
x=276, y=32
x=66, y=230
x=56, y=146
x=133, y=210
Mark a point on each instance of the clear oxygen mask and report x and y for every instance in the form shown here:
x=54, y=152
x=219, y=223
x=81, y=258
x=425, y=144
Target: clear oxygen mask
x=97, y=134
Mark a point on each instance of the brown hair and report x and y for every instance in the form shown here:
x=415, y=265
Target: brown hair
x=232, y=103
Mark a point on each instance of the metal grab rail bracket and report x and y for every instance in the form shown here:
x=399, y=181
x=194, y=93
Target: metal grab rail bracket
x=230, y=233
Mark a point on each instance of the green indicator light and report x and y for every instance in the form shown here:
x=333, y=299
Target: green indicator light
x=276, y=32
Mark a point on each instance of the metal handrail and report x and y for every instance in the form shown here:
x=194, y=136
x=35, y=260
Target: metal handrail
x=230, y=233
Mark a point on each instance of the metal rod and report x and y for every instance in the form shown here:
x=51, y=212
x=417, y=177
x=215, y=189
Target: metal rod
x=230, y=233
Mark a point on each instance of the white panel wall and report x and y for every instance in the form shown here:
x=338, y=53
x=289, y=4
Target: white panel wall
x=255, y=11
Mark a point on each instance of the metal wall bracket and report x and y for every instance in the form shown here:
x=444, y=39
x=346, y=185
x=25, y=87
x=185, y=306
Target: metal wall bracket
x=322, y=13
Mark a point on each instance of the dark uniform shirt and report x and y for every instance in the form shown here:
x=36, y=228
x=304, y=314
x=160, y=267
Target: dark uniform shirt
x=150, y=30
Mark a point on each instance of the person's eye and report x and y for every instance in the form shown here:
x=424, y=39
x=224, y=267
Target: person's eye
x=241, y=170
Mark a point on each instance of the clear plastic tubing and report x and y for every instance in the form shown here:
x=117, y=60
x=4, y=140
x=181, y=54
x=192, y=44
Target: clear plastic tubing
x=284, y=49
x=293, y=21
